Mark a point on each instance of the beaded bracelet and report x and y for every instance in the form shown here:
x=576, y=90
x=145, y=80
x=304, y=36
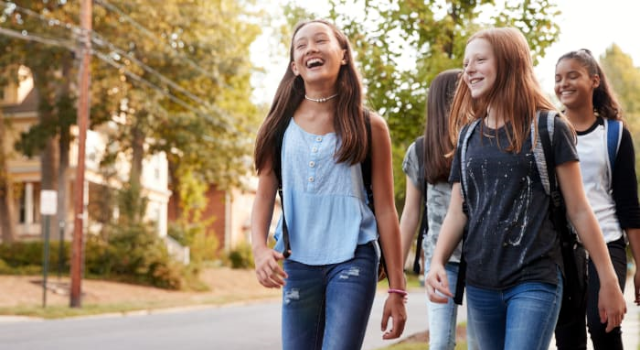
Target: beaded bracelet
x=397, y=291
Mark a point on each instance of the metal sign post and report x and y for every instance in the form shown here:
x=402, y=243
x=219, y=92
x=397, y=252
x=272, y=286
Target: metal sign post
x=48, y=206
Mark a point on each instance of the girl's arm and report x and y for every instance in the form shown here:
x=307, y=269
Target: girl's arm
x=611, y=301
x=387, y=220
x=410, y=218
x=268, y=271
x=634, y=242
x=449, y=238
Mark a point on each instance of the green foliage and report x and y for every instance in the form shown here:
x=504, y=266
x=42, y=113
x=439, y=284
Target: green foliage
x=241, y=257
x=24, y=258
x=132, y=253
x=202, y=246
x=624, y=79
x=132, y=204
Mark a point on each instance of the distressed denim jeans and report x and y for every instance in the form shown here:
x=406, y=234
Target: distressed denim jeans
x=522, y=317
x=328, y=306
x=443, y=317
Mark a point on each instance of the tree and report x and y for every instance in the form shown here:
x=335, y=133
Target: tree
x=624, y=79
x=46, y=52
x=184, y=80
x=6, y=199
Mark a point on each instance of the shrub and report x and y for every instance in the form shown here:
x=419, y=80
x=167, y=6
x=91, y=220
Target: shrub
x=202, y=246
x=26, y=257
x=132, y=253
x=241, y=257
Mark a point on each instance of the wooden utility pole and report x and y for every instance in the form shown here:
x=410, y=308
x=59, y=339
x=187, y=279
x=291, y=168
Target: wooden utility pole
x=84, y=77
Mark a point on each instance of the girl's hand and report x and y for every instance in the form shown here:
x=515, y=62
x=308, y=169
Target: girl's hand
x=268, y=270
x=394, y=308
x=611, y=305
x=438, y=284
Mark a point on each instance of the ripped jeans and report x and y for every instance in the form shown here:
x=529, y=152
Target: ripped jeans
x=328, y=306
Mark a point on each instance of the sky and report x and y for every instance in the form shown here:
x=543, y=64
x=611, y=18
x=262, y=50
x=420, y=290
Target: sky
x=589, y=24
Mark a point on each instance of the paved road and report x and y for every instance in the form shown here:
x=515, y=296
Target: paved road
x=240, y=327
x=253, y=326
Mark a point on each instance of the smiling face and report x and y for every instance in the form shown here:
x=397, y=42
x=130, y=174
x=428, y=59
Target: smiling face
x=479, y=67
x=316, y=54
x=574, y=85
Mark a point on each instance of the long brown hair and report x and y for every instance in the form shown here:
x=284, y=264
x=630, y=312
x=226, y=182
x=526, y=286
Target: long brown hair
x=515, y=95
x=348, y=121
x=436, y=164
x=604, y=99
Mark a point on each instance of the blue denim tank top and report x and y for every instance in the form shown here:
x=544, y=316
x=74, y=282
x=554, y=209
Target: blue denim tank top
x=324, y=202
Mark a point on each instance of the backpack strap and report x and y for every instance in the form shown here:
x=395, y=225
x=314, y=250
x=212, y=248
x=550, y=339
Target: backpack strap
x=366, y=168
x=424, y=224
x=366, y=164
x=543, y=149
x=463, y=143
x=613, y=129
x=277, y=169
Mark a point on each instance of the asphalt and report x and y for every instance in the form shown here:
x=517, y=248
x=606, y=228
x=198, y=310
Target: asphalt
x=417, y=321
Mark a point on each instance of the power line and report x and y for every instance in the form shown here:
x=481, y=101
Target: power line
x=24, y=35
x=68, y=45
x=152, y=36
x=121, y=67
x=101, y=41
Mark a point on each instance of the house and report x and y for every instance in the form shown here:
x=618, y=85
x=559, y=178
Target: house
x=19, y=103
x=231, y=213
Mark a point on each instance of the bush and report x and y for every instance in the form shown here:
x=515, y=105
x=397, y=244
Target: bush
x=24, y=258
x=241, y=257
x=132, y=253
x=202, y=246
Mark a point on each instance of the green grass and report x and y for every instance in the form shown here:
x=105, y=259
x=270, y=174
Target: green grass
x=413, y=282
x=419, y=346
x=63, y=311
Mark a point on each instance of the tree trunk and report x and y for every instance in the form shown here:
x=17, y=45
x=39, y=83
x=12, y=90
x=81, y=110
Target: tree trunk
x=174, y=186
x=63, y=143
x=7, y=224
x=48, y=161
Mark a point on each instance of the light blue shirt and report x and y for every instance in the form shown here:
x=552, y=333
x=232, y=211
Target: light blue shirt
x=325, y=204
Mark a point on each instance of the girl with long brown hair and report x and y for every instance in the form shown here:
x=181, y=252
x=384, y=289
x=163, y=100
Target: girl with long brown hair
x=609, y=179
x=315, y=136
x=429, y=191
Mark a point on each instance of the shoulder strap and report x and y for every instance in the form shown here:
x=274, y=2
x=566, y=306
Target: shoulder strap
x=366, y=164
x=277, y=169
x=543, y=149
x=614, y=136
x=424, y=223
x=419, y=151
x=463, y=143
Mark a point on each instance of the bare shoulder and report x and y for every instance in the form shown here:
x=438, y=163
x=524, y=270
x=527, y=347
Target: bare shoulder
x=378, y=124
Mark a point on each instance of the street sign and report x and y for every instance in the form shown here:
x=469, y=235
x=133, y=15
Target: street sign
x=48, y=202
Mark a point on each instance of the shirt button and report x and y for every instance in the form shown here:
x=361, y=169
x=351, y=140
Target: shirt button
x=314, y=149
x=319, y=138
x=311, y=179
x=312, y=164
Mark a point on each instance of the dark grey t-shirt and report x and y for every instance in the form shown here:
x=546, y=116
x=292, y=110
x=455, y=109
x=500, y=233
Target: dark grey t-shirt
x=511, y=237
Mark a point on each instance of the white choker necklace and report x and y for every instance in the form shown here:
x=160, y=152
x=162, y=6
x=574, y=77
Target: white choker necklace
x=321, y=99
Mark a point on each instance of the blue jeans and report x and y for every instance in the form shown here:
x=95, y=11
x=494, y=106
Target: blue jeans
x=328, y=306
x=521, y=317
x=443, y=317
